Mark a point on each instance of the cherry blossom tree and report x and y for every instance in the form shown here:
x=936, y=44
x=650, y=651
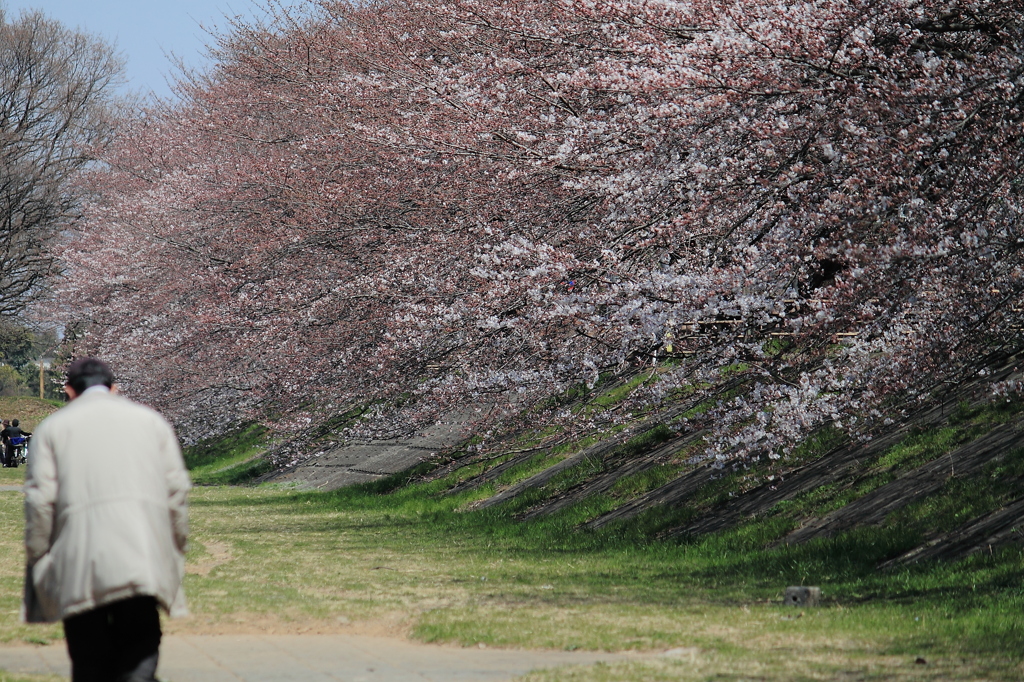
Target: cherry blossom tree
x=466, y=200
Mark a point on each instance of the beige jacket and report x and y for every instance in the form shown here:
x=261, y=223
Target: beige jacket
x=106, y=515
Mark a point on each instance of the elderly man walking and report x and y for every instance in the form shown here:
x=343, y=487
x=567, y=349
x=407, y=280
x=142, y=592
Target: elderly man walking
x=106, y=522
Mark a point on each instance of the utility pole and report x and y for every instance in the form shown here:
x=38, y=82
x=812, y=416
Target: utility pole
x=43, y=353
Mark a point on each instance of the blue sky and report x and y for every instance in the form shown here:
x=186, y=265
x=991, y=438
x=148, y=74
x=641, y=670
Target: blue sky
x=146, y=32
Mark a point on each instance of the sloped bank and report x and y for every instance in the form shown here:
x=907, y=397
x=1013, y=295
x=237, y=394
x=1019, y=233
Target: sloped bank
x=948, y=476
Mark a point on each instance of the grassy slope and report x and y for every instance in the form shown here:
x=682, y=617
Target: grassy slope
x=235, y=457
x=29, y=411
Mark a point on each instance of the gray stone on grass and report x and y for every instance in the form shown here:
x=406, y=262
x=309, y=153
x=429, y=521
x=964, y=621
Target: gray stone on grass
x=802, y=596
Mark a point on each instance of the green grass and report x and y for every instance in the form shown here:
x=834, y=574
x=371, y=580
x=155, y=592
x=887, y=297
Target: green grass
x=12, y=572
x=631, y=487
x=237, y=473
x=620, y=391
x=591, y=466
x=483, y=577
x=960, y=500
x=12, y=476
x=964, y=499
x=727, y=371
x=229, y=459
x=920, y=448
x=817, y=444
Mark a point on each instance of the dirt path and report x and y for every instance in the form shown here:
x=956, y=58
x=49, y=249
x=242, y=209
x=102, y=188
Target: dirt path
x=317, y=658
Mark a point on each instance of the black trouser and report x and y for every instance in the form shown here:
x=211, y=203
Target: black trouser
x=116, y=642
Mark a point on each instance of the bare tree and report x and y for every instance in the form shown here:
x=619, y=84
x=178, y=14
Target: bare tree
x=57, y=106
